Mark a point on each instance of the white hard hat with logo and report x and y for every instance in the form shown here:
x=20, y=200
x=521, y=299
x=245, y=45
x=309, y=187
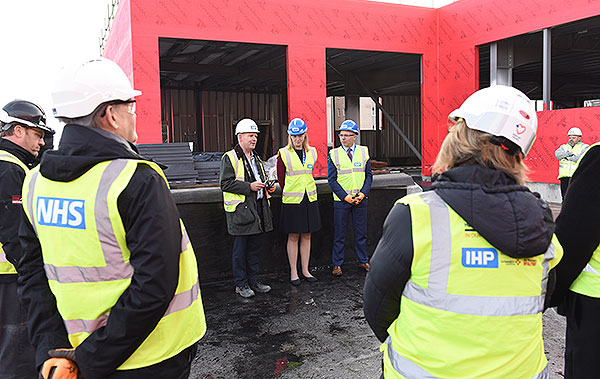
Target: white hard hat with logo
x=80, y=88
x=504, y=112
x=246, y=125
x=574, y=132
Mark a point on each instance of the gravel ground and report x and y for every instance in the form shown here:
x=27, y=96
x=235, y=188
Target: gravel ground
x=316, y=330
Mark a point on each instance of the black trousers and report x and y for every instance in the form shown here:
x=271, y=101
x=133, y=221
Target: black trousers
x=564, y=184
x=582, y=352
x=246, y=254
x=17, y=359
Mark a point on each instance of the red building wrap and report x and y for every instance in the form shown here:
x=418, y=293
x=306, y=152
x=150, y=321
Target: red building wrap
x=446, y=38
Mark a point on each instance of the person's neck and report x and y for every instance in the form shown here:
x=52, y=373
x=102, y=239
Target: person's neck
x=248, y=152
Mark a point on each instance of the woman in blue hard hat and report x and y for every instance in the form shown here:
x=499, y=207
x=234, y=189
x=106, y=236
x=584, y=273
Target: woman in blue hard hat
x=299, y=210
x=461, y=275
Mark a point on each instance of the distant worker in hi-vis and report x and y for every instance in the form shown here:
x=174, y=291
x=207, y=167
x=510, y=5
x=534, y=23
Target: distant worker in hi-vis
x=108, y=275
x=459, y=279
x=568, y=155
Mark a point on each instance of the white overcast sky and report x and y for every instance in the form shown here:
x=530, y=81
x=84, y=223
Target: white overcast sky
x=38, y=37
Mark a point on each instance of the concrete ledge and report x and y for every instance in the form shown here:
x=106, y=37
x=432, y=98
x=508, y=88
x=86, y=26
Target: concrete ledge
x=549, y=191
x=203, y=195
x=202, y=212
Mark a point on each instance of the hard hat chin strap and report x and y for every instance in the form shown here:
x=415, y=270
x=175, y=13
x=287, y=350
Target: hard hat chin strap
x=507, y=145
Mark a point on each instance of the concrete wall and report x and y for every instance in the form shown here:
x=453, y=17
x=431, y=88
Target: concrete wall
x=202, y=212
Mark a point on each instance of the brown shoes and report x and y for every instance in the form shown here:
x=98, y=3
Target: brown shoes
x=337, y=271
x=364, y=266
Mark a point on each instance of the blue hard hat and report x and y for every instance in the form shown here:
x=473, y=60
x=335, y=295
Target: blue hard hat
x=350, y=126
x=297, y=126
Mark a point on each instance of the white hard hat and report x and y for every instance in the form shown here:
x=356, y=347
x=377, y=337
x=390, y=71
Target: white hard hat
x=501, y=111
x=246, y=125
x=80, y=88
x=574, y=132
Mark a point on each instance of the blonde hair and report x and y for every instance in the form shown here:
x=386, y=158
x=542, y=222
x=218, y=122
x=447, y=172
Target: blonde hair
x=463, y=144
x=305, y=144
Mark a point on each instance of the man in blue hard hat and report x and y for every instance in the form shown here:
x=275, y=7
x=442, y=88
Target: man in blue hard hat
x=350, y=177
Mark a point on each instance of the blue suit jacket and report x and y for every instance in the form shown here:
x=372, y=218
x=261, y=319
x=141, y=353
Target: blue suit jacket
x=337, y=188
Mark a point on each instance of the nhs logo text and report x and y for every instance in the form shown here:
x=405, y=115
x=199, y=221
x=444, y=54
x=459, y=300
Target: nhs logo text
x=64, y=213
x=479, y=257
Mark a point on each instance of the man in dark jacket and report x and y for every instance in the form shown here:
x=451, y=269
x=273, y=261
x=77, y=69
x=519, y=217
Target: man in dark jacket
x=121, y=255
x=247, y=209
x=22, y=129
x=578, y=279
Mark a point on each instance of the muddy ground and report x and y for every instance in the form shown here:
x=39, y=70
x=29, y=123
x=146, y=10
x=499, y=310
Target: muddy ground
x=315, y=330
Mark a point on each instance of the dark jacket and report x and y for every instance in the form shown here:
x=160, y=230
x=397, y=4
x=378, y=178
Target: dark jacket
x=337, y=188
x=153, y=233
x=578, y=224
x=245, y=220
x=510, y=217
x=11, y=181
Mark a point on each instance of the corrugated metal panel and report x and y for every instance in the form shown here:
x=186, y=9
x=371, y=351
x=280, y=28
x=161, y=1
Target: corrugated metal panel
x=208, y=118
x=406, y=112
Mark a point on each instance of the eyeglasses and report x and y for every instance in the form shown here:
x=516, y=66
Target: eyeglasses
x=347, y=135
x=130, y=108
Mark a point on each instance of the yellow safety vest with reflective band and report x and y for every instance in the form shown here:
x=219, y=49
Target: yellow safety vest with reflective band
x=468, y=311
x=86, y=259
x=298, y=177
x=566, y=168
x=588, y=281
x=350, y=175
x=5, y=266
x=232, y=200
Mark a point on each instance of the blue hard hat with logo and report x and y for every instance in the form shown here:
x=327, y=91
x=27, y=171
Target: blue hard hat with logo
x=297, y=127
x=350, y=126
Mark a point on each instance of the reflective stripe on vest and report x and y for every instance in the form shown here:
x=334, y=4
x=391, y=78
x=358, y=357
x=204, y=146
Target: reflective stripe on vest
x=409, y=369
x=232, y=200
x=350, y=175
x=5, y=266
x=566, y=168
x=299, y=178
x=445, y=287
x=90, y=284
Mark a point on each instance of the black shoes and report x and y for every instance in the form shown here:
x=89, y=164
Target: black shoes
x=295, y=282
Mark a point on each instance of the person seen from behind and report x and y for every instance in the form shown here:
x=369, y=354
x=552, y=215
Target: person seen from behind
x=460, y=277
x=108, y=276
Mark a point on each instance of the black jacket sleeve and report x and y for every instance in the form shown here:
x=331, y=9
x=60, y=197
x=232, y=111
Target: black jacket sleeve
x=390, y=270
x=578, y=224
x=368, y=179
x=45, y=325
x=11, y=181
x=153, y=234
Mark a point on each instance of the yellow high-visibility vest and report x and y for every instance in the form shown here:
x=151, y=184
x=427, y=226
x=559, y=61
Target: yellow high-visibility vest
x=462, y=297
x=566, y=168
x=298, y=176
x=232, y=200
x=588, y=281
x=5, y=266
x=86, y=259
x=350, y=175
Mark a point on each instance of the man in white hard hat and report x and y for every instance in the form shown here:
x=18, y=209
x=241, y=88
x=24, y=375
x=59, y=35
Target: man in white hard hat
x=568, y=155
x=108, y=275
x=245, y=196
x=22, y=130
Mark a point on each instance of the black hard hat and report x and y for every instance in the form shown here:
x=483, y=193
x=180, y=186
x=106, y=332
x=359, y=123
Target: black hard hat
x=24, y=113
